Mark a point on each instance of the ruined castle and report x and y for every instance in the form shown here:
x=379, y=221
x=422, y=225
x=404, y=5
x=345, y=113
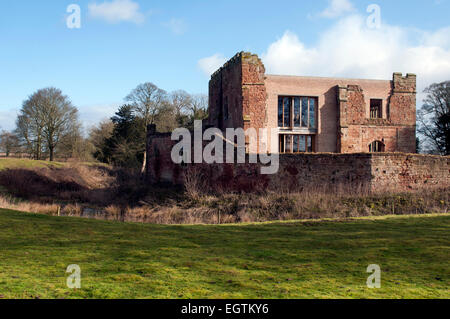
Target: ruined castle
x=316, y=115
x=329, y=131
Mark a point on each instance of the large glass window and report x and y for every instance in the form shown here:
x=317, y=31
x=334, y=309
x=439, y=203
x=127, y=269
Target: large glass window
x=284, y=112
x=297, y=112
x=290, y=143
x=280, y=112
x=312, y=113
x=304, y=112
x=287, y=112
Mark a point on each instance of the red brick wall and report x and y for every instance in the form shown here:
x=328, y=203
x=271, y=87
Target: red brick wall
x=331, y=108
x=397, y=128
x=409, y=172
x=344, y=124
x=160, y=167
x=323, y=171
x=240, y=83
x=254, y=93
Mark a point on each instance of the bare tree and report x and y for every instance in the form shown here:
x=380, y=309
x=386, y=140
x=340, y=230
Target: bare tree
x=147, y=101
x=181, y=101
x=9, y=142
x=199, y=106
x=30, y=125
x=45, y=120
x=434, y=117
x=198, y=109
x=60, y=118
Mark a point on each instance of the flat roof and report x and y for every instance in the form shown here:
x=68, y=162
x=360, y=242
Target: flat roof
x=326, y=78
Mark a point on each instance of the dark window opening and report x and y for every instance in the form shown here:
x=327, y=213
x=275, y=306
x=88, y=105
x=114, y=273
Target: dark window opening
x=296, y=143
x=376, y=147
x=376, y=109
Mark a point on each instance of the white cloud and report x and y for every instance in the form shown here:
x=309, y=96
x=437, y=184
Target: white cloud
x=94, y=114
x=117, y=11
x=337, y=8
x=350, y=49
x=8, y=118
x=177, y=26
x=211, y=64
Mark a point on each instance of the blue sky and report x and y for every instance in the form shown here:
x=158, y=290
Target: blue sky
x=176, y=44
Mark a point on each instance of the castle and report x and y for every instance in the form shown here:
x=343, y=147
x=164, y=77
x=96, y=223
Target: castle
x=312, y=114
x=329, y=133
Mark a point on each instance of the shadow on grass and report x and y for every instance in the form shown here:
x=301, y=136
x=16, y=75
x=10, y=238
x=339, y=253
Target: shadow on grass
x=286, y=260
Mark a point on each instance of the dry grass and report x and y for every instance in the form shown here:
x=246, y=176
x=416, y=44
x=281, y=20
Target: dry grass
x=31, y=207
x=72, y=210
x=194, y=182
x=104, y=193
x=247, y=208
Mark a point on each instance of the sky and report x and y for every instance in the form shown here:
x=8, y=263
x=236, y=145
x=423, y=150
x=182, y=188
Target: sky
x=178, y=44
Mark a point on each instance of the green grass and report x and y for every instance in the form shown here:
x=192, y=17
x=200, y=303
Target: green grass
x=326, y=259
x=14, y=163
x=17, y=163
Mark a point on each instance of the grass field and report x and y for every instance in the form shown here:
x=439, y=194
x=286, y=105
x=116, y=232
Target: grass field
x=9, y=163
x=14, y=163
x=325, y=259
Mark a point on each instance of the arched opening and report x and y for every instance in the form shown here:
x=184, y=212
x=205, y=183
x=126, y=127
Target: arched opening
x=376, y=147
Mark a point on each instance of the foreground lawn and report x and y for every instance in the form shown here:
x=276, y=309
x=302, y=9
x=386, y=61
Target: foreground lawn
x=278, y=260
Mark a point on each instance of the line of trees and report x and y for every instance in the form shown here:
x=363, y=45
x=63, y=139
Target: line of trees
x=434, y=119
x=121, y=140
x=47, y=122
x=48, y=126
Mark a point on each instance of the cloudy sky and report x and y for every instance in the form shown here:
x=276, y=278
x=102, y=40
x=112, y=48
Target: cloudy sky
x=178, y=44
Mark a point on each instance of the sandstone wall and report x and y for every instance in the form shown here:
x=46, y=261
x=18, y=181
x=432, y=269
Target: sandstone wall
x=374, y=172
x=326, y=90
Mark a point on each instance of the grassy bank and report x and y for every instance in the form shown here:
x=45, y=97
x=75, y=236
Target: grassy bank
x=108, y=193
x=322, y=259
x=15, y=163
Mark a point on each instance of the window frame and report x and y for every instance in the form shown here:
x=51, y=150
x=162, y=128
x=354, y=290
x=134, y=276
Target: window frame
x=377, y=147
x=308, y=138
x=292, y=121
x=378, y=111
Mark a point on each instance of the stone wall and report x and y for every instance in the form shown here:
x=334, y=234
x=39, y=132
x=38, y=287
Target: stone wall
x=374, y=172
x=242, y=90
x=397, y=127
x=409, y=172
x=237, y=95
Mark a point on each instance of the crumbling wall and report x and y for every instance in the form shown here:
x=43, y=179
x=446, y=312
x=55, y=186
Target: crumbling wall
x=368, y=172
x=237, y=94
x=396, y=129
x=405, y=172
